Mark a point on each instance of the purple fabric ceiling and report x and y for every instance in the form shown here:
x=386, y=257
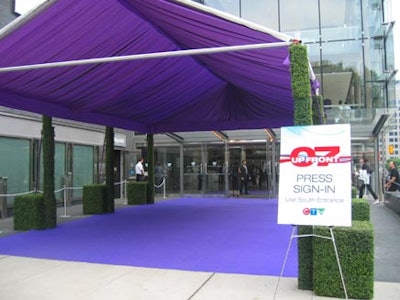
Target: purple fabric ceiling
x=233, y=90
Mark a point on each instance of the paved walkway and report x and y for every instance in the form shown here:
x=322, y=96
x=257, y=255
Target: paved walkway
x=40, y=279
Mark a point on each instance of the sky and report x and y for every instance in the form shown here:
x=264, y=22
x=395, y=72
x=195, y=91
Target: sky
x=24, y=6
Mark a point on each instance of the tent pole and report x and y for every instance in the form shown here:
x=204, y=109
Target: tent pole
x=200, y=51
x=18, y=22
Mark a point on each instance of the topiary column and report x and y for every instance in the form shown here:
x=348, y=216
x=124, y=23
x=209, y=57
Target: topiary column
x=49, y=199
x=109, y=138
x=150, y=169
x=299, y=67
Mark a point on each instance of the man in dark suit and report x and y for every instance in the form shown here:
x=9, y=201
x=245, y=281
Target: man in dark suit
x=244, y=178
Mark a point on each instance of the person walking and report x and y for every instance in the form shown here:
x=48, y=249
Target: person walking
x=365, y=176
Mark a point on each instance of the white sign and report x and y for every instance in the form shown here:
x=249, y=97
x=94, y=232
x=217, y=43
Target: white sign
x=315, y=175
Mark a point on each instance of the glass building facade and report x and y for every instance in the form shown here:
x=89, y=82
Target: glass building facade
x=349, y=42
x=351, y=50
x=350, y=46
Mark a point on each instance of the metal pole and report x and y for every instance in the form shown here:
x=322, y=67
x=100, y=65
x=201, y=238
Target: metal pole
x=164, y=188
x=200, y=51
x=338, y=262
x=65, y=203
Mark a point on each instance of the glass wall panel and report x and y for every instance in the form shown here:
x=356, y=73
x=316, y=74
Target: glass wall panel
x=389, y=51
x=82, y=168
x=15, y=165
x=342, y=72
x=340, y=19
x=195, y=169
x=300, y=19
x=59, y=168
x=374, y=59
x=232, y=7
x=263, y=12
x=169, y=159
x=372, y=15
x=215, y=169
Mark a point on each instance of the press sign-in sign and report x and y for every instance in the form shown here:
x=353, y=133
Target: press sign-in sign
x=315, y=175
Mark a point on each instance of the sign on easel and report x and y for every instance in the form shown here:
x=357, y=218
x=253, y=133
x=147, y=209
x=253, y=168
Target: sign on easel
x=315, y=175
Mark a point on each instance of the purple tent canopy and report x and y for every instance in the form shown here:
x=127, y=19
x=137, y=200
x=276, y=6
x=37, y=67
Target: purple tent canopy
x=248, y=89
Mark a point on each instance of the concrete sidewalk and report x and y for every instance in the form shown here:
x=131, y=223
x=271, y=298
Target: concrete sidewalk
x=27, y=278
x=42, y=279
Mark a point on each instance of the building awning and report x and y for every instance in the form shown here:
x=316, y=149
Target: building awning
x=142, y=78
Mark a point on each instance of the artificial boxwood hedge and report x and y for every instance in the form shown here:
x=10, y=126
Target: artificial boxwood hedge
x=29, y=212
x=137, y=192
x=94, y=199
x=355, y=247
x=360, y=212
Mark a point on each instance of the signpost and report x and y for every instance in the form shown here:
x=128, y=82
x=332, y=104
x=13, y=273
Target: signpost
x=315, y=175
x=315, y=180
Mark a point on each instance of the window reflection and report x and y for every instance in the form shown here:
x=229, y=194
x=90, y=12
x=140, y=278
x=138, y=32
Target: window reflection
x=340, y=19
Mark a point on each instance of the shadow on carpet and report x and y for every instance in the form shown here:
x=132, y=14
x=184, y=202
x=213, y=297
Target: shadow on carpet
x=195, y=234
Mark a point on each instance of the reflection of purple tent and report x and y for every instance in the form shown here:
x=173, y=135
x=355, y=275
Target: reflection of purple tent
x=229, y=90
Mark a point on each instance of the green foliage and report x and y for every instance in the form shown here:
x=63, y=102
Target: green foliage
x=300, y=73
x=29, y=212
x=109, y=138
x=50, y=207
x=318, y=112
x=137, y=193
x=354, y=192
x=355, y=247
x=150, y=163
x=360, y=210
x=302, y=116
x=301, y=85
x=94, y=198
x=305, y=258
x=396, y=161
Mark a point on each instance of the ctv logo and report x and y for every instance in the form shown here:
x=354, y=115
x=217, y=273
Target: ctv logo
x=313, y=211
x=321, y=156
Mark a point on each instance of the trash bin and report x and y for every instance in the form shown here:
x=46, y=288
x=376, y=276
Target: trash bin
x=3, y=197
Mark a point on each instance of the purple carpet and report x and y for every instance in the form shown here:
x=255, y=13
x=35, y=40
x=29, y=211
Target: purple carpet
x=196, y=234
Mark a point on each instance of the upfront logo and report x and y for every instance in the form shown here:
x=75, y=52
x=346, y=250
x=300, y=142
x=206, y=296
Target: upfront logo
x=322, y=156
x=313, y=211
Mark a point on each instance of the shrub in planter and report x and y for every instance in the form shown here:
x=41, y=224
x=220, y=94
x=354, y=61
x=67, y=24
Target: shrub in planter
x=354, y=192
x=360, y=210
x=355, y=247
x=94, y=199
x=137, y=192
x=29, y=212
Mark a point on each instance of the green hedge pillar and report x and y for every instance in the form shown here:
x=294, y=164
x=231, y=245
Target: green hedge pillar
x=137, y=193
x=50, y=208
x=355, y=246
x=29, y=212
x=109, y=138
x=94, y=199
x=302, y=116
x=150, y=168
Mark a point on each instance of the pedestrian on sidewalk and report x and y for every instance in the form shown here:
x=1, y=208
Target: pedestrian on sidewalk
x=365, y=177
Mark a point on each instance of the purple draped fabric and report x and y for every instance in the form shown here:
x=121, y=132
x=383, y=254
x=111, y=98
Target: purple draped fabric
x=233, y=90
